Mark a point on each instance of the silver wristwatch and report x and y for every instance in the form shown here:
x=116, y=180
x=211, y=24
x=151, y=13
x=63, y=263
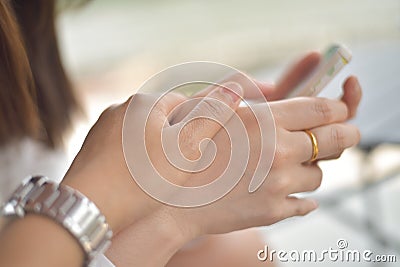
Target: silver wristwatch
x=66, y=206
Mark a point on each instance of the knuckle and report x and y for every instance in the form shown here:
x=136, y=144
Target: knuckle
x=301, y=210
x=279, y=186
x=323, y=109
x=277, y=113
x=109, y=110
x=112, y=116
x=213, y=108
x=190, y=151
x=188, y=144
x=319, y=172
x=282, y=152
x=337, y=156
x=338, y=138
x=275, y=215
x=281, y=157
x=358, y=135
x=317, y=178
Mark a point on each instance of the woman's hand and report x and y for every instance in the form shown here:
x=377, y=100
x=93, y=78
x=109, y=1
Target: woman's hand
x=175, y=231
x=99, y=170
x=290, y=173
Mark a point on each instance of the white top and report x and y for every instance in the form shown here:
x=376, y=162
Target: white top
x=26, y=158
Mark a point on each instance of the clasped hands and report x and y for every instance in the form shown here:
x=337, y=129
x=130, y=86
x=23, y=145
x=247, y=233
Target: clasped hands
x=100, y=172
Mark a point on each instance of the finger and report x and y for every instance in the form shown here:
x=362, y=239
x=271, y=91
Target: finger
x=181, y=113
x=298, y=206
x=267, y=89
x=352, y=95
x=335, y=156
x=169, y=102
x=308, y=112
x=299, y=178
x=164, y=108
x=305, y=178
x=237, y=77
x=218, y=106
x=295, y=75
x=248, y=85
x=205, y=91
x=332, y=139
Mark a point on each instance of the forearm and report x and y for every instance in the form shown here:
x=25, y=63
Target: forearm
x=231, y=249
x=151, y=241
x=38, y=241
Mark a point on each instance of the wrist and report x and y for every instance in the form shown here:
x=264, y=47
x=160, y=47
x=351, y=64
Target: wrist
x=159, y=232
x=65, y=206
x=107, y=200
x=179, y=225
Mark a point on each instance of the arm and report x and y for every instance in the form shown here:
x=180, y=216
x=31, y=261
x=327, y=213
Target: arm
x=150, y=242
x=100, y=166
x=38, y=241
x=234, y=249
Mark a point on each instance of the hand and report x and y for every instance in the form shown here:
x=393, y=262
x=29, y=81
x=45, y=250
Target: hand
x=174, y=231
x=272, y=202
x=293, y=76
x=297, y=72
x=290, y=172
x=99, y=170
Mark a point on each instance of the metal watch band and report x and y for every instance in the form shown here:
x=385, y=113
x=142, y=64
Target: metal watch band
x=66, y=206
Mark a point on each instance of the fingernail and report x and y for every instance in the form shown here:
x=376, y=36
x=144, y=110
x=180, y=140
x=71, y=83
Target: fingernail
x=234, y=91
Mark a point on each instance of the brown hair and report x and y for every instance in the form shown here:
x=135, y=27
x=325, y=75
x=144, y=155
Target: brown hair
x=36, y=96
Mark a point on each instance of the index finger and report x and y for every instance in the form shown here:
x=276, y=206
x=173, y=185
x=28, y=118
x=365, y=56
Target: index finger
x=308, y=112
x=252, y=89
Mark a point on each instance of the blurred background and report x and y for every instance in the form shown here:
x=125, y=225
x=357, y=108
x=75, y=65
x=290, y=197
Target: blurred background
x=111, y=47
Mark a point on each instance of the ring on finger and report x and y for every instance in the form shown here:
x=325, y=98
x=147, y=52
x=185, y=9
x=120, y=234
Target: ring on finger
x=314, y=142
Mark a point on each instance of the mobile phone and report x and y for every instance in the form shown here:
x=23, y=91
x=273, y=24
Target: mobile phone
x=333, y=60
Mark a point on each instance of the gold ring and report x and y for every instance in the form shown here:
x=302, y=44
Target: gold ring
x=314, y=143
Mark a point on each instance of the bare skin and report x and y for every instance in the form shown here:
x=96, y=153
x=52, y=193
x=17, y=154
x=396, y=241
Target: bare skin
x=105, y=167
